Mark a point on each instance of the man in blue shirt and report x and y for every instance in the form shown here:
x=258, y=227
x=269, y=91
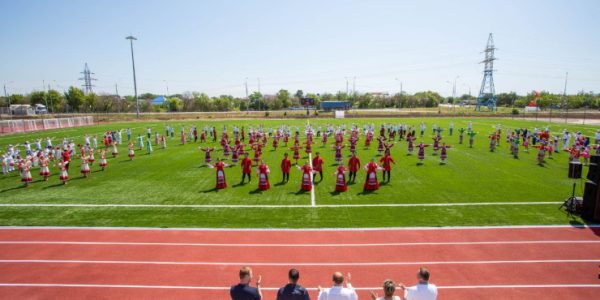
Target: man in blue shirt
x=292, y=290
x=243, y=290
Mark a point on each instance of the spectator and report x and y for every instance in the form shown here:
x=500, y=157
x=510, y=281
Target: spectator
x=423, y=290
x=292, y=290
x=389, y=288
x=338, y=291
x=243, y=290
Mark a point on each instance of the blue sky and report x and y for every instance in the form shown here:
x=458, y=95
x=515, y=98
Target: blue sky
x=212, y=46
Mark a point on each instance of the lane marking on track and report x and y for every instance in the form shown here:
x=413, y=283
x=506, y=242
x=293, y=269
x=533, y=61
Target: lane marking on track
x=32, y=228
x=226, y=288
x=85, y=243
x=285, y=264
x=275, y=205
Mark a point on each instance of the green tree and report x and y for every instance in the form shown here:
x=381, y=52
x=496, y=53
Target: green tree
x=283, y=99
x=75, y=98
x=202, y=102
x=55, y=100
x=257, y=101
x=17, y=99
x=91, y=101
x=173, y=104
x=37, y=97
x=299, y=94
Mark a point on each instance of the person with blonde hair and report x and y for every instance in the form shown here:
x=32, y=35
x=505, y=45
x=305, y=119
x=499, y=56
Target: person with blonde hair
x=389, y=288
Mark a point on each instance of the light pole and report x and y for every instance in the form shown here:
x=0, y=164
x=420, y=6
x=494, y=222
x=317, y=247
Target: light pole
x=137, y=102
x=346, y=85
x=400, y=90
x=247, y=99
x=8, y=98
x=167, y=84
x=258, y=80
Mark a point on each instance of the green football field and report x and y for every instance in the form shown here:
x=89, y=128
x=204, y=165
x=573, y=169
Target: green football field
x=172, y=187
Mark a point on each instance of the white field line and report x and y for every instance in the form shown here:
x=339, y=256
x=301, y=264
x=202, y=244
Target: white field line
x=302, y=264
x=312, y=190
x=276, y=205
x=488, y=227
x=109, y=243
x=226, y=288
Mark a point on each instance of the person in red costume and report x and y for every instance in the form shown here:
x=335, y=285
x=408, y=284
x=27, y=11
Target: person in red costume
x=387, y=162
x=371, y=183
x=220, y=168
x=263, y=176
x=286, y=165
x=306, y=174
x=317, y=164
x=353, y=166
x=246, y=167
x=340, y=179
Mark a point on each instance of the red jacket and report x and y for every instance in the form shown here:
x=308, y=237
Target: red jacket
x=354, y=164
x=317, y=163
x=246, y=165
x=286, y=165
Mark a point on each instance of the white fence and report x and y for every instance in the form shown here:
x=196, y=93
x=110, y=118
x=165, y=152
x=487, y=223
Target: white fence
x=13, y=126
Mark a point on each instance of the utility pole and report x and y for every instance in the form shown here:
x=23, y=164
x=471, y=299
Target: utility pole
x=400, y=90
x=247, y=99
x=137, y=102
x=258, y=79
x=167, y=84
x=565, y=100
x=7, y=99
x=354, y=86
x=346, y=85
x=118, y=98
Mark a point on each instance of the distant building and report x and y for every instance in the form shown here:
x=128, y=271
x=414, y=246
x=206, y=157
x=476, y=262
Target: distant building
x=335, y=105
x=22, y=109
x=160, y=100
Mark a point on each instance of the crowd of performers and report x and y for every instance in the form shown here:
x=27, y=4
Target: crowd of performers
x=246, y=145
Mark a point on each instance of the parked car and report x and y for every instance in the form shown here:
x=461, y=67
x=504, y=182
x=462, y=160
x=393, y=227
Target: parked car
x=40, y=109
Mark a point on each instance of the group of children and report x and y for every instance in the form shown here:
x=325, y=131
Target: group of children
x=234, y=149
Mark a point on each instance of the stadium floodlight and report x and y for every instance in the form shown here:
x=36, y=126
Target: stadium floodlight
x=137, y=102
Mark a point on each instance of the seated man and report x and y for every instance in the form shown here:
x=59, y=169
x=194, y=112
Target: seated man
x=338, y=291
x=423, y=290
x=292, y=290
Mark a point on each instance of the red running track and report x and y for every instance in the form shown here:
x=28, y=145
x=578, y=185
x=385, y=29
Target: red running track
x=466, y=263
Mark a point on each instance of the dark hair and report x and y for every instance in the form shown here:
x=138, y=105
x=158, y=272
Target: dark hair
x=424, y=274
x=245, y=271
x=293, y=275
x=338, y=278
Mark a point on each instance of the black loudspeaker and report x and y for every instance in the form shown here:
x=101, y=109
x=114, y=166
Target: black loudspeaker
x=575, y=168
x=590, y=209
x=594, y=173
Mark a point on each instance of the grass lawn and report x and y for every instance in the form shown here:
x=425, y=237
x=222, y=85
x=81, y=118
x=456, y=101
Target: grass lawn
x=177, y=176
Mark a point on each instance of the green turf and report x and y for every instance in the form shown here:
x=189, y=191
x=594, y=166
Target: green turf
x=177, y=176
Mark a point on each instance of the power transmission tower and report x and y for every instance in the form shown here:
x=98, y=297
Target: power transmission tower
x=487, y=93
x=87, y=79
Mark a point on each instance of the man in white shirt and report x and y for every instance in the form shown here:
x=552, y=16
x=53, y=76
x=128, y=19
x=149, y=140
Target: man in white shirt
x=338, y=291
x=423, y=290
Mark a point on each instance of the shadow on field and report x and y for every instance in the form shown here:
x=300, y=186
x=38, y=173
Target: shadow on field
x=300, y=192
x=256, y=191
x=334, y=193
x=54, y=185
x=210, y=190
x=365, y=192
x=13, y=189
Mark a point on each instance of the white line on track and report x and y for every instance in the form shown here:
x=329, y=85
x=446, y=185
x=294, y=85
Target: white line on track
x=300, y=264
x=101, y=228
x=226, y=288
x=275, y=205
x=540, y=242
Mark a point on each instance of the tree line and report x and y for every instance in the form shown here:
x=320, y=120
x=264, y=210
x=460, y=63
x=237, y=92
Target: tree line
x=75, y=100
